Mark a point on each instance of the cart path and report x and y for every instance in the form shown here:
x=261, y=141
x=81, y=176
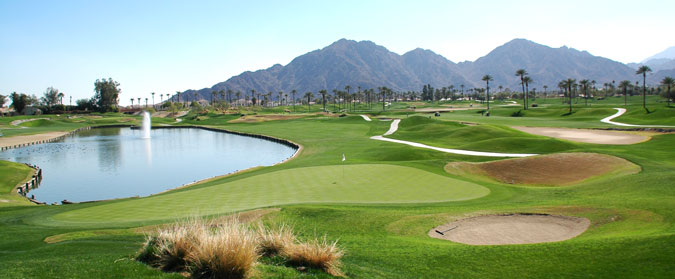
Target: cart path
x=621, y=111
x=394, y=127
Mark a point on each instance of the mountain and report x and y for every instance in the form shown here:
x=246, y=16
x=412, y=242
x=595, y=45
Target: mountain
x=656, y=64
x=367, y=65
x=669, y=53
x=345, y=62
x=545, y=65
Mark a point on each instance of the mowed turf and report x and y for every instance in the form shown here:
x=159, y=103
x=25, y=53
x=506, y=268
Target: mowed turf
x=366, y=183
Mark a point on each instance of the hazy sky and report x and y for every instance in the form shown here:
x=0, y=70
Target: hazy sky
x=167, y=46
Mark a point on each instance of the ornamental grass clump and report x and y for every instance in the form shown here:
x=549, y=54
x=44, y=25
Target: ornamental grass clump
x=316, y=253
x=232, y=249
x=169, y=247
x=272, y=242
x=228, y=252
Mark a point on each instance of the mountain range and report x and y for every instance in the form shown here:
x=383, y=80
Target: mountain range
x=365, y=64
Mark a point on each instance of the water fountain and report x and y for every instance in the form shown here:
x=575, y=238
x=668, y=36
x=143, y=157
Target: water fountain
x=145, y=127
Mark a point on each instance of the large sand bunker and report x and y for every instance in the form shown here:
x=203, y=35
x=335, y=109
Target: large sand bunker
x=511, y=229
x=552, y=170
x=586, y=135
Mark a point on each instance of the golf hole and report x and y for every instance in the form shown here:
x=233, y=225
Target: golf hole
x=511, y=229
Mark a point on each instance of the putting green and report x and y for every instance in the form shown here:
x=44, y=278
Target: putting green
x=325, y=184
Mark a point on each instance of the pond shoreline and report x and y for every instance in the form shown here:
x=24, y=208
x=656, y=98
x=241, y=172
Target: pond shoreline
x=298, y=148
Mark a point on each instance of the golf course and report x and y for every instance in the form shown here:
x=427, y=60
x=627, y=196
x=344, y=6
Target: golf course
x=596, y=199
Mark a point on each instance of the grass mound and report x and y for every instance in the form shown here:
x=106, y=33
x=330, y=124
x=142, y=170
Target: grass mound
x=38, y=123
x=448, y=134
x=548, y=170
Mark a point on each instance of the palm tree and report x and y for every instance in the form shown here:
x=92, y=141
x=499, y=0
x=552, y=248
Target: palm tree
x=281, y=94
x=527, y=80
x=569, y=83
x=522, y=73
x=132, y=102
x=323, y=93
x=309, y=96
x=293, y=94
x=624, y=85
x=487, y=79
x=545, y=87
x=146, y=102
x=584, y=88
x=383, y=92
x=643, y=70
x=668, y=82
x=178, y=93
x=229, y=96
x=238, y=95
x=161, y=98
x=252, y=93
x=153, y=99
x=139, y=102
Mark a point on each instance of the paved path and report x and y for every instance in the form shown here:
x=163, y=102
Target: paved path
x=621, y=111
x=365, y=117
x=394, y=127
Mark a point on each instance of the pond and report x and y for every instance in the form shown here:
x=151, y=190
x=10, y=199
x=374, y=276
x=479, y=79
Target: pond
x=109, y=163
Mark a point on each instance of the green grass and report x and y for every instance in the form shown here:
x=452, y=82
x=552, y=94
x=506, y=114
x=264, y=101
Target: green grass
x=380, y=218
x=12, y=174
x=477, y=138
x=372, y=183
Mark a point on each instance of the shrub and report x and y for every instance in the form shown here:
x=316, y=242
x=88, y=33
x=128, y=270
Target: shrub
x=518, y=113
x=316, y=253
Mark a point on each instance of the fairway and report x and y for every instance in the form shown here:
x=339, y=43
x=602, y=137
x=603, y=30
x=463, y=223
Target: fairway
x=368, y=183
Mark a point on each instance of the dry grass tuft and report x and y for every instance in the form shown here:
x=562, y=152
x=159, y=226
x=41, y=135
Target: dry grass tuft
x=228, y=252
x=273, y=242
x=317, y=253
x=230, y=249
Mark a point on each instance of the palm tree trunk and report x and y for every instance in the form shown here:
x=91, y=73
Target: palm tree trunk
x=644, y=91
x=522, y=83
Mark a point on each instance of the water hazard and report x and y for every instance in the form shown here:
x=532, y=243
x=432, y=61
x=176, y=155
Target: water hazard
x=110, y=163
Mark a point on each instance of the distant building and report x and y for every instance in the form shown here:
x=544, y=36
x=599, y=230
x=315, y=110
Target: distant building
x=31, y=110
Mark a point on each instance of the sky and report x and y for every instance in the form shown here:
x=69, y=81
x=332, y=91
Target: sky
x=168, y=46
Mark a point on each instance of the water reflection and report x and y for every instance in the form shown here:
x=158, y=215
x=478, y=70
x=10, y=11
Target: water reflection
x=115, y=162
x=148, y=151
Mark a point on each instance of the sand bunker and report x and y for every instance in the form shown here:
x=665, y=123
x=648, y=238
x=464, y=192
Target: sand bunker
x=586, y=135
x=263, y=117
x=550, y=170
x=511, y=229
